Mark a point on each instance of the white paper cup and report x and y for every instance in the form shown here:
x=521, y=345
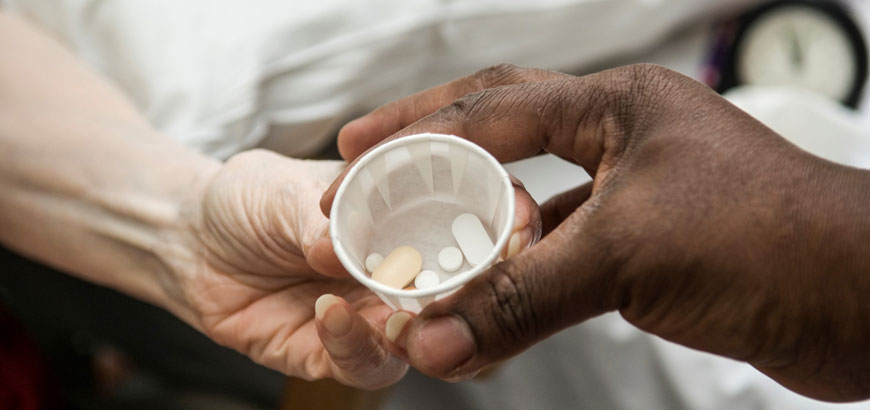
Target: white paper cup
x=408, y=192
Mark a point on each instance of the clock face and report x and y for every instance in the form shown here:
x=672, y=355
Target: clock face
x=799, y=46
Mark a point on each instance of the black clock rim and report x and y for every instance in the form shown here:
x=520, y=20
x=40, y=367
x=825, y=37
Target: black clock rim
x=729, y=77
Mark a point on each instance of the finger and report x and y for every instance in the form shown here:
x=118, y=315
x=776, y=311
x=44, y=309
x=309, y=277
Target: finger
x=322, y=258
x=527, y=221
x=577, y=118
x=358, y=356
x=364, y=132
x=558, y=282
x=561, y=206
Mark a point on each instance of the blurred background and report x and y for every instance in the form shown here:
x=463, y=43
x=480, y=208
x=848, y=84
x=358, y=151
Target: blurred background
x=223, y=76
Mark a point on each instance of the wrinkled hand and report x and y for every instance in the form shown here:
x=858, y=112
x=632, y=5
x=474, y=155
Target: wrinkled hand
x=262, y=257
x=701, y=226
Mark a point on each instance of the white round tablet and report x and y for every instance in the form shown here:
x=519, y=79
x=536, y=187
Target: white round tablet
x=426, y=279
x=450, y=259
x=373, y=260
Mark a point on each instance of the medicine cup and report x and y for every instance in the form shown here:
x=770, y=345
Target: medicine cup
x=408, y=192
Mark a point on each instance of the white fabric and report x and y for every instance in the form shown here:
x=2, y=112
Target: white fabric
x=810, y=121
x=222, y=75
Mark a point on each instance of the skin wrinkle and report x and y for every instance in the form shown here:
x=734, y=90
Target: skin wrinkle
x=498, y=75
x=251, y=223
x=498, y=104
x=365, y=360
x=216, y=220
x=238, y=319
x=265, y=245
x=509, y=298
x=269, y=348
x=550, y=118
x=281, y=235
x=588, y=152
x=287, y=256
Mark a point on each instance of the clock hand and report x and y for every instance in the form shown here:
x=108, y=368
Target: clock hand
x=797, y=53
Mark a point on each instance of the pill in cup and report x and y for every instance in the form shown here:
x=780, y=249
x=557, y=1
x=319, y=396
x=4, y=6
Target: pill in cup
x=429, y=192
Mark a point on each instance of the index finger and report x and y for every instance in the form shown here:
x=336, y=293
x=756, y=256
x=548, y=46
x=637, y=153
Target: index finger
x=362, y=133
x=516, y=121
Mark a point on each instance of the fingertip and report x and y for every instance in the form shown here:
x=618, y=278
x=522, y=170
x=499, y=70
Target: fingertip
x=333, y=315
x=353, y=137
x=520, y=240
x=323, y=303
x=527, y=221
x=345, y=134
x=394, y=327
x=527, y=211
x=358, y=355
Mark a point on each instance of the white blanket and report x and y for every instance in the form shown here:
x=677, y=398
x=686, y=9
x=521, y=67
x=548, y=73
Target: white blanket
x=223, y=75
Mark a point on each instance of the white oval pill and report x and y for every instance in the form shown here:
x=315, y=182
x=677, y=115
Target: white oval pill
x=372, y=261
x=427, y=279
x=472, y=238
x=399, y=268
x=450, y=259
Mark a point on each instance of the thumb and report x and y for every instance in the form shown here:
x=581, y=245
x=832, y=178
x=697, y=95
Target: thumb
x=562, y=280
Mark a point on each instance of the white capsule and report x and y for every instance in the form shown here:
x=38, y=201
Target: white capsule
x=450, y=259
x=472, y=238
x=427, y=279
x=373, y=260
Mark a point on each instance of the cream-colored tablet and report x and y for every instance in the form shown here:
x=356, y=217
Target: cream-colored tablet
x=472, y=238
x=427, y=279
x=450, y=259
x=372, y=261
x=399, y=268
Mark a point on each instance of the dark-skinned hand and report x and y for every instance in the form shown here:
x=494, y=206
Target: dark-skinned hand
x=701, y=226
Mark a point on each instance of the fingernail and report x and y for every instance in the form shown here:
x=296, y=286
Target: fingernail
x=520, y=240
x=513, y=245
x=528, y=236
x=336, y=321
x=395, y=324
x=445, y=343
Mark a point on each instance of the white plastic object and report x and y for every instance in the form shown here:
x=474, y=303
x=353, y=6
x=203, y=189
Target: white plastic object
x=427, y=279
x=373, y=260
x=408, y=192
x=450, y=259
x=472, y=238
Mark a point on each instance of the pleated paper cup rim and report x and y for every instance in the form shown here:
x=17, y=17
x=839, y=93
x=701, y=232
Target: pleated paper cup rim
x=456, y=281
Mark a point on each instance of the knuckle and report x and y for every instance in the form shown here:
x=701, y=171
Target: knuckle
x=654, y=84
x=498, y=75
x=470, y=109
x=630, y=100
x=458, y=113
x=464, y=105
x=512, y=312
